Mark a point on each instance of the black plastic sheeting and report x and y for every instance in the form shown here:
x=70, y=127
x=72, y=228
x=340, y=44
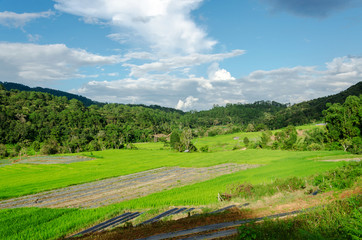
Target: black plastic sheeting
x=111, y=222
x=217, y=226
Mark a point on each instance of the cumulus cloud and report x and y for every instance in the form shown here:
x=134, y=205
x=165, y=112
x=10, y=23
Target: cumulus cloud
x=311, y=8
x=187, y=104
x=38, y=64
x=217, y=74
x=18, y=20
x=302, y=82
x=165, y=24
x=285, y=85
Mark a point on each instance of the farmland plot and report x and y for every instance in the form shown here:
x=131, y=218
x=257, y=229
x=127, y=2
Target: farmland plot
x=118, y=189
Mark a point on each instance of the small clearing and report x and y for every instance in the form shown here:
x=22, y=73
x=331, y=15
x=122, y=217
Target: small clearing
x=118, y=189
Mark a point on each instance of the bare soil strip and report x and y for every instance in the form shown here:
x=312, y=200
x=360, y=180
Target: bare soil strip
x=113, y=190
x=45, y=160
x=344, y=160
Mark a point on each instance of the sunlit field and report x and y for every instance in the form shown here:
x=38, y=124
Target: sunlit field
x=44, y=223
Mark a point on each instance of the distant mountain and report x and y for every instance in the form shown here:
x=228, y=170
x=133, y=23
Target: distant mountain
x=279, y=114
x=86, y=101
x=17, y=86
x=307, y=111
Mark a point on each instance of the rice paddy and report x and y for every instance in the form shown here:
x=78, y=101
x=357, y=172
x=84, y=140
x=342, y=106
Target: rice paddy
x=192, y=180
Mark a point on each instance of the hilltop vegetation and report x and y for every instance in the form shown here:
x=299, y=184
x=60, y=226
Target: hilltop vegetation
x=42, y=122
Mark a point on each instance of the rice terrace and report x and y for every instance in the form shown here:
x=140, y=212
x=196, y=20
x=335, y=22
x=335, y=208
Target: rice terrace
x=180, y=119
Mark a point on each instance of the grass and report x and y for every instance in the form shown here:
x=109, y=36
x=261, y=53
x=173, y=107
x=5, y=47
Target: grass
x=226, y=142
x=340, y=220
x=43, y=223
x=229, y=141
x=22, y=179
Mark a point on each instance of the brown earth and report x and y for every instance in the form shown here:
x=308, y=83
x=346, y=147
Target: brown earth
x=265, y=207
x=113, y=190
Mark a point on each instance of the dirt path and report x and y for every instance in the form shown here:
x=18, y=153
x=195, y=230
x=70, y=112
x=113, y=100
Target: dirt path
x=113, y=190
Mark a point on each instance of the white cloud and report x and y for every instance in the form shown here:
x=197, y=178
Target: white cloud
x=177, y=62
x=33, y=38
x=140, y=55
x=18, y=20
x=302, y=82
x=283, y=85
x=165, y=24
x=114, y=74
x=217, y=74
x=119, y=37
x=187, y=104
x=37, y=64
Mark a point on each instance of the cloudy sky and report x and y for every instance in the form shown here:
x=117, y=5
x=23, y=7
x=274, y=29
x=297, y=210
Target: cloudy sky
x=185, y=54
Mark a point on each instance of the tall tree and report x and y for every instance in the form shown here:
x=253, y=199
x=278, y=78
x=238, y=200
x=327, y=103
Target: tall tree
x=344, y=121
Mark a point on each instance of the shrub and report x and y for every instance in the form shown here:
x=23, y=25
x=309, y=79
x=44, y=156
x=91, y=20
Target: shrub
x=204, y=148
x=3, y=151
x=50, y=147
x=315, y=147
x=340, y=178
x=246, y=141
x=339, y=220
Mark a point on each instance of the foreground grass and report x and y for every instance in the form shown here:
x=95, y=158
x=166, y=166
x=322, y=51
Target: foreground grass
x=340, y=220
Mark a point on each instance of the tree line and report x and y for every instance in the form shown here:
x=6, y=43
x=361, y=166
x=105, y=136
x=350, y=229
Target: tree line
x=55, y=124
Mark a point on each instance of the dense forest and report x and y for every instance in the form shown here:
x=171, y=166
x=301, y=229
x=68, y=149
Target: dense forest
x=52, y=124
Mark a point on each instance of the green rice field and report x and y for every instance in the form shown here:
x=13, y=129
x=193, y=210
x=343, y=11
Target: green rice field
x=45, y=223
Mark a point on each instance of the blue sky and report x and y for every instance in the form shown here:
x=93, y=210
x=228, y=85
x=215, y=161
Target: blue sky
x=185, y=54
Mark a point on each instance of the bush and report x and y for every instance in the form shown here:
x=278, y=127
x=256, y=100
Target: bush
x=246, y=141
x=315, y=147
x=356, y=147
x=204, y=148
x=339, y=178
x=131, y=146
x=339, y=220
x=50, y=147
x=3, y=151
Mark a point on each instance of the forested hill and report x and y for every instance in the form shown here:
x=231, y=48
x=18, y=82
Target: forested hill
x=32, y=117
x=306, y=112
x=86, y=101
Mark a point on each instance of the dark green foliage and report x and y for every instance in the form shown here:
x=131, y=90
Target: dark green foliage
x=246, y=141
x=204, y=148
x=246, y=233
x=339, y=220
x=36, y=117
x=182, y=141
x=266, y=140
x=21, y=87
x=286, y=139
x=174, y=139
x=51, y=146
x=36, y=146
x=344, y=123
x=339, y=178
x=307, y=112
x=3, y=151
